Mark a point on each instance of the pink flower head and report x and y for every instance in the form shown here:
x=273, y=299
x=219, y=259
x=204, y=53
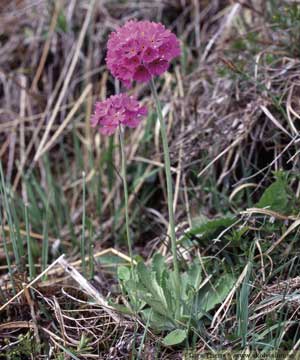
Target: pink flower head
x=139, y=50
x=117, y=110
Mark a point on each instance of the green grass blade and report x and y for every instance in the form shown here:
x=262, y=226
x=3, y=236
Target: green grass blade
x=6, y=251
x=9, y=218
x=45, y=243
x=29, y=247
x=243, y=306
x=91, y=252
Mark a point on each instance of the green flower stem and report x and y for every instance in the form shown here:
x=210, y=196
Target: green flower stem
x=82, y=241
x=169, y=182
x=123, y=174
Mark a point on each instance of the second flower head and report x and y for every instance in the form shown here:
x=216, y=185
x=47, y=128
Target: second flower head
x=117, y=110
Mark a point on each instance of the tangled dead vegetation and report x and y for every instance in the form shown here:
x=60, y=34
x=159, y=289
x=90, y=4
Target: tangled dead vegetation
x=242, y=119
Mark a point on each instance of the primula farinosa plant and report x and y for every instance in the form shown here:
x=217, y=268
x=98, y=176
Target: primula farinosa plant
x=168, y=300
x=115, y=112
x=138, y=51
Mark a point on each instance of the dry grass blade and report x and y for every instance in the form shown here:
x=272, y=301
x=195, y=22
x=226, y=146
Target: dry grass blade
x=17, y=325
x=275, y=121
x=268, y=212
x=90, y=290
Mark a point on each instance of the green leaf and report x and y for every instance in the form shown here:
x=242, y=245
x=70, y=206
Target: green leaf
x=277, y=196
x=158, y=265
x=209, y=229
x=194, y=274
x=168, y=290
x=146, y=277
x=175, y=337
x=210, y=296
x=149, y=281
x=123, y=273
x=156, y=305
x=157, y=321
x=132, y=290
x=190, y=282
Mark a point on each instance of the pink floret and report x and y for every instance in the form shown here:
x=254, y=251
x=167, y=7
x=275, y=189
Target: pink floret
x=141, y=74
x=158, y=67
x=140, y=50
x=117, y=110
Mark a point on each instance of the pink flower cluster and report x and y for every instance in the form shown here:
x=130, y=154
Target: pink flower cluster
x=139, y=50
x=117, y=109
